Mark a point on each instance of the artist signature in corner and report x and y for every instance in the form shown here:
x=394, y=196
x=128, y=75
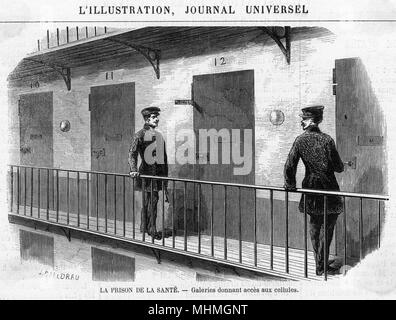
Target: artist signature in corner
x=58, y=274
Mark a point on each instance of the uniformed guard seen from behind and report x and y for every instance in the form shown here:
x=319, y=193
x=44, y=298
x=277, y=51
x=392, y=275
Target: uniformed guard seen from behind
x=321, y=159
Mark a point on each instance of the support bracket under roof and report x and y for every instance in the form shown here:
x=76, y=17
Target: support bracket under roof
x=152, y=55
x=277, y=36
x=63, y=71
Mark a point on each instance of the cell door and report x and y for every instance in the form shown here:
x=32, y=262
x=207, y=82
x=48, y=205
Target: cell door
x=225, y=101
x=360, y=138
x=36, y=147
x=112, y=127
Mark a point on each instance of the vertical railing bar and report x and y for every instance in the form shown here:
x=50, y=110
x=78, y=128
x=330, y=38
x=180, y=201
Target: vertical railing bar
x=211, y=222
x=48, y=192
x=199, y=218
x=38, y=193
x=361, y=229
x=115, y=204
x=225, y=222
x=78, y=198
x=133, y=208
x=144, y=195
x=173, y=213
x=185, y=214
x=255, y=227
x=57, y=195
x=88, y=200
x=345, y=231
x=379, y=223
x=335, y=242
x=287, y=232
x=240, y=224
x=53, y=179
x=31, y=191
x=105, y=201
x=10, y=201
x=305, y=237
x=152, y=209
x=272, y=229
x=12, y=187
x=123, y=207
x=97, y=202
x=24, y=194
x=67, y=196
x=193, y=207
x=163, y=212
x=18, y=189
x=325, y=259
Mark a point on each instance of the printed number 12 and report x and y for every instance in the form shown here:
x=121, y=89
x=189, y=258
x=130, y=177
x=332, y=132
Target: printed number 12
x=220, y=62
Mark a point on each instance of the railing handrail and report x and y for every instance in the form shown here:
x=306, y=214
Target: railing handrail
x=258, y=187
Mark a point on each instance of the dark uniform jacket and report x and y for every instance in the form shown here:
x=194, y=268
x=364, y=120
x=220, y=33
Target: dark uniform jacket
x=321, y=159
x=140, y=141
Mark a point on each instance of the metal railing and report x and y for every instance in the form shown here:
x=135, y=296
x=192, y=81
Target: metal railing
x=224, y=225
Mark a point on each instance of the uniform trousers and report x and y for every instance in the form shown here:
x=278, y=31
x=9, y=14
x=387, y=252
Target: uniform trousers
x=149, y=212
x=316, y=230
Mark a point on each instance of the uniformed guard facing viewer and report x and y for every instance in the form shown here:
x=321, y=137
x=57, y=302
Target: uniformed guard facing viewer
x=321, y=159
x=150, y=145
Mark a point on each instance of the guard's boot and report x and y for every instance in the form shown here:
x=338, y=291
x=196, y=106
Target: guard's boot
x=156, y=235
x=167, y=233
x=330, y=271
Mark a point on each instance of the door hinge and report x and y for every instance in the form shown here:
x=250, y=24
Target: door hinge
x=334, y=76
x=334, y=82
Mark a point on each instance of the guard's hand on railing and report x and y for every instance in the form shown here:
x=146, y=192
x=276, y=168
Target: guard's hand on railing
x=134, y=174
x=290, y=188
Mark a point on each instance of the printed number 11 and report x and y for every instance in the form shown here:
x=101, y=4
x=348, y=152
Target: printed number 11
x=221, y=61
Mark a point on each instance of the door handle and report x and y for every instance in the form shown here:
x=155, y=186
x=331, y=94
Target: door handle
x=351, y=163
x=25, y=150
x=97, y=153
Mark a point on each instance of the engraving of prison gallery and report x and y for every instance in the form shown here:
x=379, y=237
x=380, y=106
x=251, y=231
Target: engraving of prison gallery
x=258, y=149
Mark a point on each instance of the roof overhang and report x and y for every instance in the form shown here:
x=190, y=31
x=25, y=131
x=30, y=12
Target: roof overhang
x=148, y=41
